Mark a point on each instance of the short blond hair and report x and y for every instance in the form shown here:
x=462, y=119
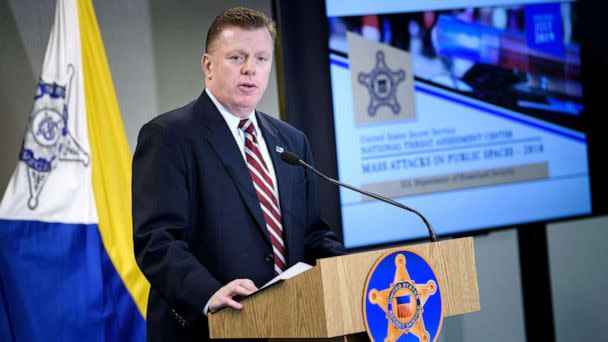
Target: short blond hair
x=241, y=17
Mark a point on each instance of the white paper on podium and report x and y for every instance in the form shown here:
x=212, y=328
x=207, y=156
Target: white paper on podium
x=289, y=273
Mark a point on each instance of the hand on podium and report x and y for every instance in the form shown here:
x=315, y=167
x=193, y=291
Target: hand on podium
x=224, y=296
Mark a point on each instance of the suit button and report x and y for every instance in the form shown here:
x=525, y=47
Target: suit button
x=269, y=257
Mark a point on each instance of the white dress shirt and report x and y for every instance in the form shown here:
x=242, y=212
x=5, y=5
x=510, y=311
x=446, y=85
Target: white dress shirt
x=239, y=136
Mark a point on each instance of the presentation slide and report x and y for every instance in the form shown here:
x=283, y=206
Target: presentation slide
x=470, y=115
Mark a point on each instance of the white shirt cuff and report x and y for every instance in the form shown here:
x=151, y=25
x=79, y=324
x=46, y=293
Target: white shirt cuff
x=206, y=308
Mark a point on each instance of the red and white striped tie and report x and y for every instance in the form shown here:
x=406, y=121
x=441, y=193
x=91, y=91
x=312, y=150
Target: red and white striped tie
x=264, y=187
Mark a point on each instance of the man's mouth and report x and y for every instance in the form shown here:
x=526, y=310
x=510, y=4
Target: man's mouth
x=247, y=86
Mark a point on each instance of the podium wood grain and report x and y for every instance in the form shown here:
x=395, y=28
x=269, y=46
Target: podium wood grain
x=327, y=301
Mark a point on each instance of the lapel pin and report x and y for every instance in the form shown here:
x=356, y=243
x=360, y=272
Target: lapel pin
x=280, y=149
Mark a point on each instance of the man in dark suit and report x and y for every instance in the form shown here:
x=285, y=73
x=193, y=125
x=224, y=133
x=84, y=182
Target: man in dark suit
x=216, y=212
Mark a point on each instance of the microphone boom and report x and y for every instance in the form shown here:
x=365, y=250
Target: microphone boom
x=293, y=159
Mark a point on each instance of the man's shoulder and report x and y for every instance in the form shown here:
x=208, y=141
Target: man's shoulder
x=178, y=118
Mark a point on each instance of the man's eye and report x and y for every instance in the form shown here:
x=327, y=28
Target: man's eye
x=236, y=58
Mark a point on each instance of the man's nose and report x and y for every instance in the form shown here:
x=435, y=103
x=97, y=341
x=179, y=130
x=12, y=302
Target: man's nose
x=249, y=67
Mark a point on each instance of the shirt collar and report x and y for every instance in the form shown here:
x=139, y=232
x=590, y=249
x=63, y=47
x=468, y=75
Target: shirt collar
x=231, y=119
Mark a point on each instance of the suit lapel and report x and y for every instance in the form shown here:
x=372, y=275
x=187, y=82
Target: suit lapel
x=222, y=141
x=283, y=174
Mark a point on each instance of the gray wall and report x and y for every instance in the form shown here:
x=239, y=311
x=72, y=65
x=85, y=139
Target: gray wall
x=579, y=279
x=154, y=48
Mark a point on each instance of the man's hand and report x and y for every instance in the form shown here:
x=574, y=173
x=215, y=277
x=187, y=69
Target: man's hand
x=223, y=297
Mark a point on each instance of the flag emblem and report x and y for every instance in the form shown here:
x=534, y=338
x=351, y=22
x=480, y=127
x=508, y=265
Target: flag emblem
x=47, y=139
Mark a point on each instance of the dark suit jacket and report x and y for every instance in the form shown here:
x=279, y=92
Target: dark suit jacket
x=197, y=220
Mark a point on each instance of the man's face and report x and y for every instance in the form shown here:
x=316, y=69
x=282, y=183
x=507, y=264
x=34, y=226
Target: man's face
x=237, y=68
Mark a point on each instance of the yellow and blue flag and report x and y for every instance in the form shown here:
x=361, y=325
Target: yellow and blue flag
x=67, y=269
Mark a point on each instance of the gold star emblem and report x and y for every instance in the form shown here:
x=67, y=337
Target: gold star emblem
x=407, y=301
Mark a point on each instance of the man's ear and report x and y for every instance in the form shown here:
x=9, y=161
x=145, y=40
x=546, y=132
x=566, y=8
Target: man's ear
x=206, y=66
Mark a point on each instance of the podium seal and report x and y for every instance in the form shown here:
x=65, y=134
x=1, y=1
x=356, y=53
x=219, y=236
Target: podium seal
x=402, y=299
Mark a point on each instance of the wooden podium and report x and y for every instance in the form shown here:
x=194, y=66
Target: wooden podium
x=327, y=301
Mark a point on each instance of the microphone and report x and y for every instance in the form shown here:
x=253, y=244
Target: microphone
x=293, y=159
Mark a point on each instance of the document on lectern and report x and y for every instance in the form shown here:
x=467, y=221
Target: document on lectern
x=289, y=273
